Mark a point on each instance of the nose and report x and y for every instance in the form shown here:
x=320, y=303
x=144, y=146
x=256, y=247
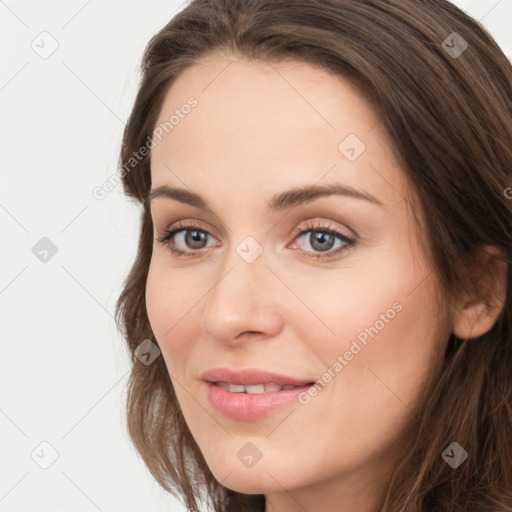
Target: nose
x=243, y=302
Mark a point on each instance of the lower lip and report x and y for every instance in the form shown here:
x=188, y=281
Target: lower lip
x=250, y=406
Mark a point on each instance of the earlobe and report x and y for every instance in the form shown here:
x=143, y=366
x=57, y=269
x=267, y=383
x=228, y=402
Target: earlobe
x=481, y=311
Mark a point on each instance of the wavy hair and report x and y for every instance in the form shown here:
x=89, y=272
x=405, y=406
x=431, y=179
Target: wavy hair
x=448, y=118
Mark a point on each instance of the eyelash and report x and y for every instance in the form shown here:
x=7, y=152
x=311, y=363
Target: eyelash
x=166, y=238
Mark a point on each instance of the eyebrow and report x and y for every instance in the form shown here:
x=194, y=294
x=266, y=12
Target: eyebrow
x=280, y=201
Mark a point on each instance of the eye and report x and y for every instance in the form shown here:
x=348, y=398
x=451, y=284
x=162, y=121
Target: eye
x=321, y=238
x=187, y=234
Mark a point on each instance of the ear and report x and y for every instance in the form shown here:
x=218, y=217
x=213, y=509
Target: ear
x=477, y=314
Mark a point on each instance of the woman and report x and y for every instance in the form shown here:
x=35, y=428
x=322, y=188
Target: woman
x=319, y=313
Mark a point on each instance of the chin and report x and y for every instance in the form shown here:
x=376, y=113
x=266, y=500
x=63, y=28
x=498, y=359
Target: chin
x=247, y=480
x=249, y=485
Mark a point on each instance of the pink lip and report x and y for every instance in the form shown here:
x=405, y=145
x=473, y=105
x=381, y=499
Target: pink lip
x=245, y=406
x=248, y=376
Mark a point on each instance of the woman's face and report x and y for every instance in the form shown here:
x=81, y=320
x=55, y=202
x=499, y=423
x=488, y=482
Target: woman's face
x=351, y=307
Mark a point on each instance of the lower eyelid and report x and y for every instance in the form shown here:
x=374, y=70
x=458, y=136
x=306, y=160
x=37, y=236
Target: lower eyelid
x=347, y=242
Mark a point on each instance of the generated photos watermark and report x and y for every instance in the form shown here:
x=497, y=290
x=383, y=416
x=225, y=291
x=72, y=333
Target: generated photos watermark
x=101, y=191
x=343, y=360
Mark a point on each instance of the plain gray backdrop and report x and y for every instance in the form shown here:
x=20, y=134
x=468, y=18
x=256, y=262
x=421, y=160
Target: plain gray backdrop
x=68, y=79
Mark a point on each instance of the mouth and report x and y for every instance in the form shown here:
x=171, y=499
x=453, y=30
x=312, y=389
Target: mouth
x=270, y=387
x=252, y=402
x=251, y=393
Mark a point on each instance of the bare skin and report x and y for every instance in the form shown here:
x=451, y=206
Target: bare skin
x=259, y=130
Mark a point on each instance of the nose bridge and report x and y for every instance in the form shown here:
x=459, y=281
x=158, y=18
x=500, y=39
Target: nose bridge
x=241, y=298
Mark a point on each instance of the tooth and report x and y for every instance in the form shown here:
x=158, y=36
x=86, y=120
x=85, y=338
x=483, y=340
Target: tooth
x=223, y=385
x=271, y=388
x=236, y=388
x=256, y=388
x=288, y=386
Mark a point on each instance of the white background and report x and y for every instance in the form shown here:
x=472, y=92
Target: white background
x=63, y=366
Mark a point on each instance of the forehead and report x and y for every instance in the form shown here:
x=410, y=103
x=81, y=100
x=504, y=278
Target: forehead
x=265, y=126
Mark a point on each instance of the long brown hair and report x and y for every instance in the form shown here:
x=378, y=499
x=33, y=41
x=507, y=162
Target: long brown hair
x=446, y=109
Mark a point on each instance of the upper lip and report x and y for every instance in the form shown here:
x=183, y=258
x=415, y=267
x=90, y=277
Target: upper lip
x=251, y=376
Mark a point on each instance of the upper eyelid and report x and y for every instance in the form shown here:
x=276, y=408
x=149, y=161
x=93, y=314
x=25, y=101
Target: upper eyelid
x=324, y=225
x=196, y=223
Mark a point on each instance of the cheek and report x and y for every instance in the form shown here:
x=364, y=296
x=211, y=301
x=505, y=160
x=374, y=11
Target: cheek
x=174, y=304
x=169, y=305
x=383, y=323
x=388, y=354
x=170, y=293
x=383, y=301
x=159, y=299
